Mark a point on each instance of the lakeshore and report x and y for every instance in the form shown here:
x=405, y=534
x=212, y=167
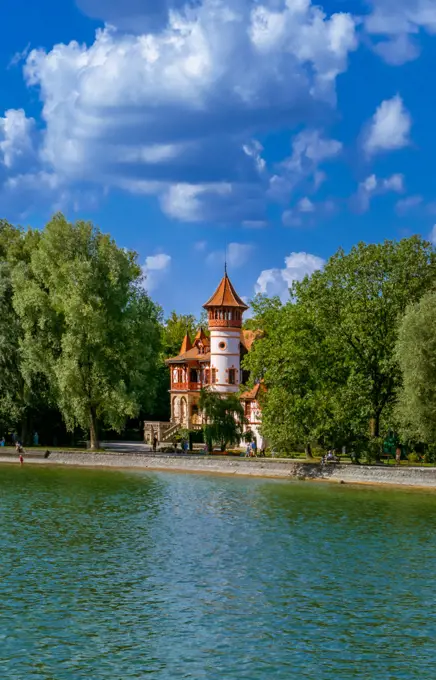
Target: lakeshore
x=249, y=467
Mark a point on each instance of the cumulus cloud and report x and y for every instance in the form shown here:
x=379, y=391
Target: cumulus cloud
x=174, y=108
x=279, y=281
x=236, y=255
x=155, y=269
x=396, y=25
x=389, y=128
x=373, y=186
x=16, y=138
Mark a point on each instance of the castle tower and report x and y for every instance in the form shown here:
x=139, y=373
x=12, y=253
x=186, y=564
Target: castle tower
x=225, y=309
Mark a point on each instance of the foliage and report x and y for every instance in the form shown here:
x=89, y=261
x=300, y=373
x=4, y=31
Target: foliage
x=225, y=419
x=327, y=357
x=174, y=330
x=416, y=353
x=89, y=328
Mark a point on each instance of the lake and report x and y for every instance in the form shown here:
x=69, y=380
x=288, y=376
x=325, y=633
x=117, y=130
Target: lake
x=106, y=575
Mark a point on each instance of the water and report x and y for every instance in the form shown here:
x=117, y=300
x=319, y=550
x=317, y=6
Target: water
x=113, y=576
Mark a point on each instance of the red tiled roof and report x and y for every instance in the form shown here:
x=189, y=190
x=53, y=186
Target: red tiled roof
x=193, y=353
x=186, y=344
x=225, y=296
x=201, y=337
x=253, y=393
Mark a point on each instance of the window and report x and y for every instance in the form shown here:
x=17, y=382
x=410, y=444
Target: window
x=213, y=376
x=232, y=376
x=222, y=345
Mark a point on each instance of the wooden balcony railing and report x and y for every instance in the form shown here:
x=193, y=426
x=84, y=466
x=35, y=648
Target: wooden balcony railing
x=187, y=386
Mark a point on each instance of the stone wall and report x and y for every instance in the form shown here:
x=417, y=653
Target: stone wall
x=257, y=467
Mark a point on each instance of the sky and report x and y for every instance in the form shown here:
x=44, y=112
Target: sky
x=275, y=131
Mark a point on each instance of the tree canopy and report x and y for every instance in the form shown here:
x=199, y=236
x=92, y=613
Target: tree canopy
x=88, y=329
x=416, y=353
x=328, y=355
x=224, y=419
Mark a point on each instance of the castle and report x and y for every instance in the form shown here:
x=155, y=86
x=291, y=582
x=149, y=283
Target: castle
x=211, y=361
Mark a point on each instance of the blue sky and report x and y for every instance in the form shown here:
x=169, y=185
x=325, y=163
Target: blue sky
x=278, y=129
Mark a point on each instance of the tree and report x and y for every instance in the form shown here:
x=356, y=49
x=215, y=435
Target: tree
x=416, y=353
x=21, y=399
x=89, y=327
x=225, y=419
x=174, y=330
x=327, y=356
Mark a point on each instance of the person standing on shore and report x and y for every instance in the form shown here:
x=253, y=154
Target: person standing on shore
x=398, y=455
x=155, y=443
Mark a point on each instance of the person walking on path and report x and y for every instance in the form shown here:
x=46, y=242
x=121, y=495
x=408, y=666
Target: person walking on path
x=398, y=455
x=155, y=443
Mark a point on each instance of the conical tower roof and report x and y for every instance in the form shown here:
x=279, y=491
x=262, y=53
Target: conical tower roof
x=186, y=344
x=225, y=296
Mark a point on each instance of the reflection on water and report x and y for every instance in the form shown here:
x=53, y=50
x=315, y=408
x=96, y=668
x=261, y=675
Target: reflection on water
x=114, y=576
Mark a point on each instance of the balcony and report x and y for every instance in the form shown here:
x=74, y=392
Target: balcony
x=187, y=386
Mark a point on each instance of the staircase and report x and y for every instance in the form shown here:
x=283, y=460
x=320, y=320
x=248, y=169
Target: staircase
x=168, y=435
x=163, y=431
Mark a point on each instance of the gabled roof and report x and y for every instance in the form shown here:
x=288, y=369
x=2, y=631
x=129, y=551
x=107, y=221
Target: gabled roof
x=254, y=392
x=201, y=337
x=225, y=296
x=186, y=344
x=193, y=354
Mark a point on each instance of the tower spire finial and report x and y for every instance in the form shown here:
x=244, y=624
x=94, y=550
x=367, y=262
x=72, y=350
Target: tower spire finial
x=225, y=261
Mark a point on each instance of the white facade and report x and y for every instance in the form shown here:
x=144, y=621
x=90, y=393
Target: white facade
x=225, y=355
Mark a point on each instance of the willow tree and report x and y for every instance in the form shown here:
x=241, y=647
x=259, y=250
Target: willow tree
x=225, y=419
x=416, y=353
x=89, y=327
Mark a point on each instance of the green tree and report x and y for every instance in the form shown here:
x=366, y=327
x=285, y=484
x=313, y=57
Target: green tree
x=174, y=330
x=225, y=419
x=327, y=356
x=416, y=353
x=21, y=400
x=88, y=326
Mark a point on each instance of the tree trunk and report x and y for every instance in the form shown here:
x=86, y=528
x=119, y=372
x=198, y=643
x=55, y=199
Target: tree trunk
x=93, y=429
x=308, y=450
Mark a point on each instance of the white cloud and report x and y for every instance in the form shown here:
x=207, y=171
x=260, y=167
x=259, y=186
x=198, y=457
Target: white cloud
x=398, y=50
x=432, y=235
x=390, y=127
x=398, y=23
x=154, y=270
x=172, y=108
x=373, y=186
x=309, y=150
x=16, y=144
x=405, y=205
x=236, y=255
x=306, y=205
x=279, y=281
